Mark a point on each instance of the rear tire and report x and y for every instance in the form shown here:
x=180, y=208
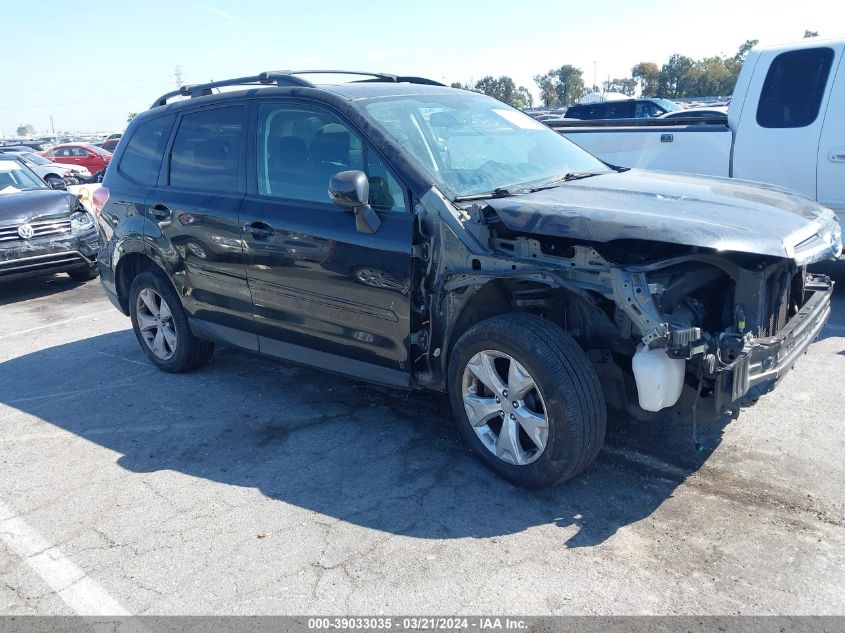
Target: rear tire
x=554, y=383
x=161, y=325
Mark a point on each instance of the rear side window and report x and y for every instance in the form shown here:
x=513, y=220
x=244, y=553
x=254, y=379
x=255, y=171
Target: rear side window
x=142, y=157
x=794, y=87
x=206, y=150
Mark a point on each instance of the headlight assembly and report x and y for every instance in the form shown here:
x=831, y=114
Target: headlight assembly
x=80, y=221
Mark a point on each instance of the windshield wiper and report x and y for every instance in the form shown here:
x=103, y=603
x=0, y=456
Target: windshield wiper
x=499, y=192
x=578, y=175
x=502, y=192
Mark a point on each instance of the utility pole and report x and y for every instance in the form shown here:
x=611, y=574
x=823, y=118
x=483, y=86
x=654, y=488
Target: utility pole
x=595, y=86
x=177, y=73
x=52, y=126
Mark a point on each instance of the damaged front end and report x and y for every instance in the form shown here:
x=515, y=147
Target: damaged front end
x=737, y=322
x=45, y=232
x=671, y=329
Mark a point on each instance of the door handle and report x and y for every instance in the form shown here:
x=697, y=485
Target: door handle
x=162, y=214
x=259, y=230
x=836, y=155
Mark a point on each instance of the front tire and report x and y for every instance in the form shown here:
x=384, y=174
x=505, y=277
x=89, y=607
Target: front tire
x=526, y=399
x=161, y=325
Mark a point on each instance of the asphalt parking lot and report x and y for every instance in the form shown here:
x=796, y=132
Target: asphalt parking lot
x=257, y=487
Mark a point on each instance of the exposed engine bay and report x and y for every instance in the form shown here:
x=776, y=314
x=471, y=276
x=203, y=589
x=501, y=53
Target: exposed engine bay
x=670, y=328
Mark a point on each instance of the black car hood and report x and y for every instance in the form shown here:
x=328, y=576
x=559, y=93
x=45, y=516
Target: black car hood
x=29, y=206
x=718, y=213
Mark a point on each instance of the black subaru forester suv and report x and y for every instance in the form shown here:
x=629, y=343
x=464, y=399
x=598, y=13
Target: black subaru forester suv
x=398, y=231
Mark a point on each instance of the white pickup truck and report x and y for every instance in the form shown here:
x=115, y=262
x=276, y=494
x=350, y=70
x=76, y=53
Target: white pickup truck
x=785, y=126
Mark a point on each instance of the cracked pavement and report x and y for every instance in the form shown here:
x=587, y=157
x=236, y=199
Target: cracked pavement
x=259, y=487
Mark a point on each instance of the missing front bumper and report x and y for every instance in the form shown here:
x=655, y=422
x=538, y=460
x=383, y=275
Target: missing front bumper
x=769, y=359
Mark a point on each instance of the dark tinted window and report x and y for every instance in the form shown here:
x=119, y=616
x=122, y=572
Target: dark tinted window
x=604, y=110
x=206, y=150
x=142, y=157
x=794, y=87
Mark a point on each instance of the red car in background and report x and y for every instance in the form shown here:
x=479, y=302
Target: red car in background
x=90, y=156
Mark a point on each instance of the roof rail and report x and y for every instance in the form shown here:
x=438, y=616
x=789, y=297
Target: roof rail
x=284, y=78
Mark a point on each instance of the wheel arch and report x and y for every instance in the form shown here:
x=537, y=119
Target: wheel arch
x=128, y=267
x=463, y=307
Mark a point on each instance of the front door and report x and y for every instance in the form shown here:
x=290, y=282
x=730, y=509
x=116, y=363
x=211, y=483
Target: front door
x=193, y=220
x=831, y=171
x=323, y=293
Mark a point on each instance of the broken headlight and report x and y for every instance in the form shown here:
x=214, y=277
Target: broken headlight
x=80, y=221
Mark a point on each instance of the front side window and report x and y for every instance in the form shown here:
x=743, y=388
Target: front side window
x=794, y=87
x=646, y=110
x=206, y=150
x=300, y=147
x=142, y=157
x=470, y=144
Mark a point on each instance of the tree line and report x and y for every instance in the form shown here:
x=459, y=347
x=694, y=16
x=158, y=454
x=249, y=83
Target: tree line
x=679, y=77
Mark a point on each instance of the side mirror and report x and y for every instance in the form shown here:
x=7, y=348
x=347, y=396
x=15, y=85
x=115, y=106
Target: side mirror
x=56, y=183
x=351, y=190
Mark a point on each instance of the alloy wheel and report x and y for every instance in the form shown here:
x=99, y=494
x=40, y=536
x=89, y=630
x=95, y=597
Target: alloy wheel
x=155, y=322
x=505, y=407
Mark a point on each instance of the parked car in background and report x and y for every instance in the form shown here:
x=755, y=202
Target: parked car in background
x=697, y=113
x=91, y=157
x=42, y=231
x=785, y=126
x=117, y=136
x=72, y=175
x=627, y=109
x=414, y=235
x=35, y=146
x=110, y=144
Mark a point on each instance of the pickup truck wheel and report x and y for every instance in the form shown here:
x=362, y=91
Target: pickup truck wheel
x=161, y=325
x=527, y=399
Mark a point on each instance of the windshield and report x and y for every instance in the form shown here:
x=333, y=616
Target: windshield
x=15, y=177
x=97, y=150
x=669, y=106
x=35, y=159
x=471, y=144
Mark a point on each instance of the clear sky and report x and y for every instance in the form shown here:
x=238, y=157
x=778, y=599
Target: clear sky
x=90, y=63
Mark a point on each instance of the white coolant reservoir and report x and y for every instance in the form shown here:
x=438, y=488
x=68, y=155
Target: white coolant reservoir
x=659, y=378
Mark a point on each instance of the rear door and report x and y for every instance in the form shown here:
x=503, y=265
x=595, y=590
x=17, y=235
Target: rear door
x=831, y=171
x=63, y=155
x=323, y=293
x=193, y=221
x=777, y=139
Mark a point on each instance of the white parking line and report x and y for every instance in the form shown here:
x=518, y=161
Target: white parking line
x=71, y=584
x=49, y=325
